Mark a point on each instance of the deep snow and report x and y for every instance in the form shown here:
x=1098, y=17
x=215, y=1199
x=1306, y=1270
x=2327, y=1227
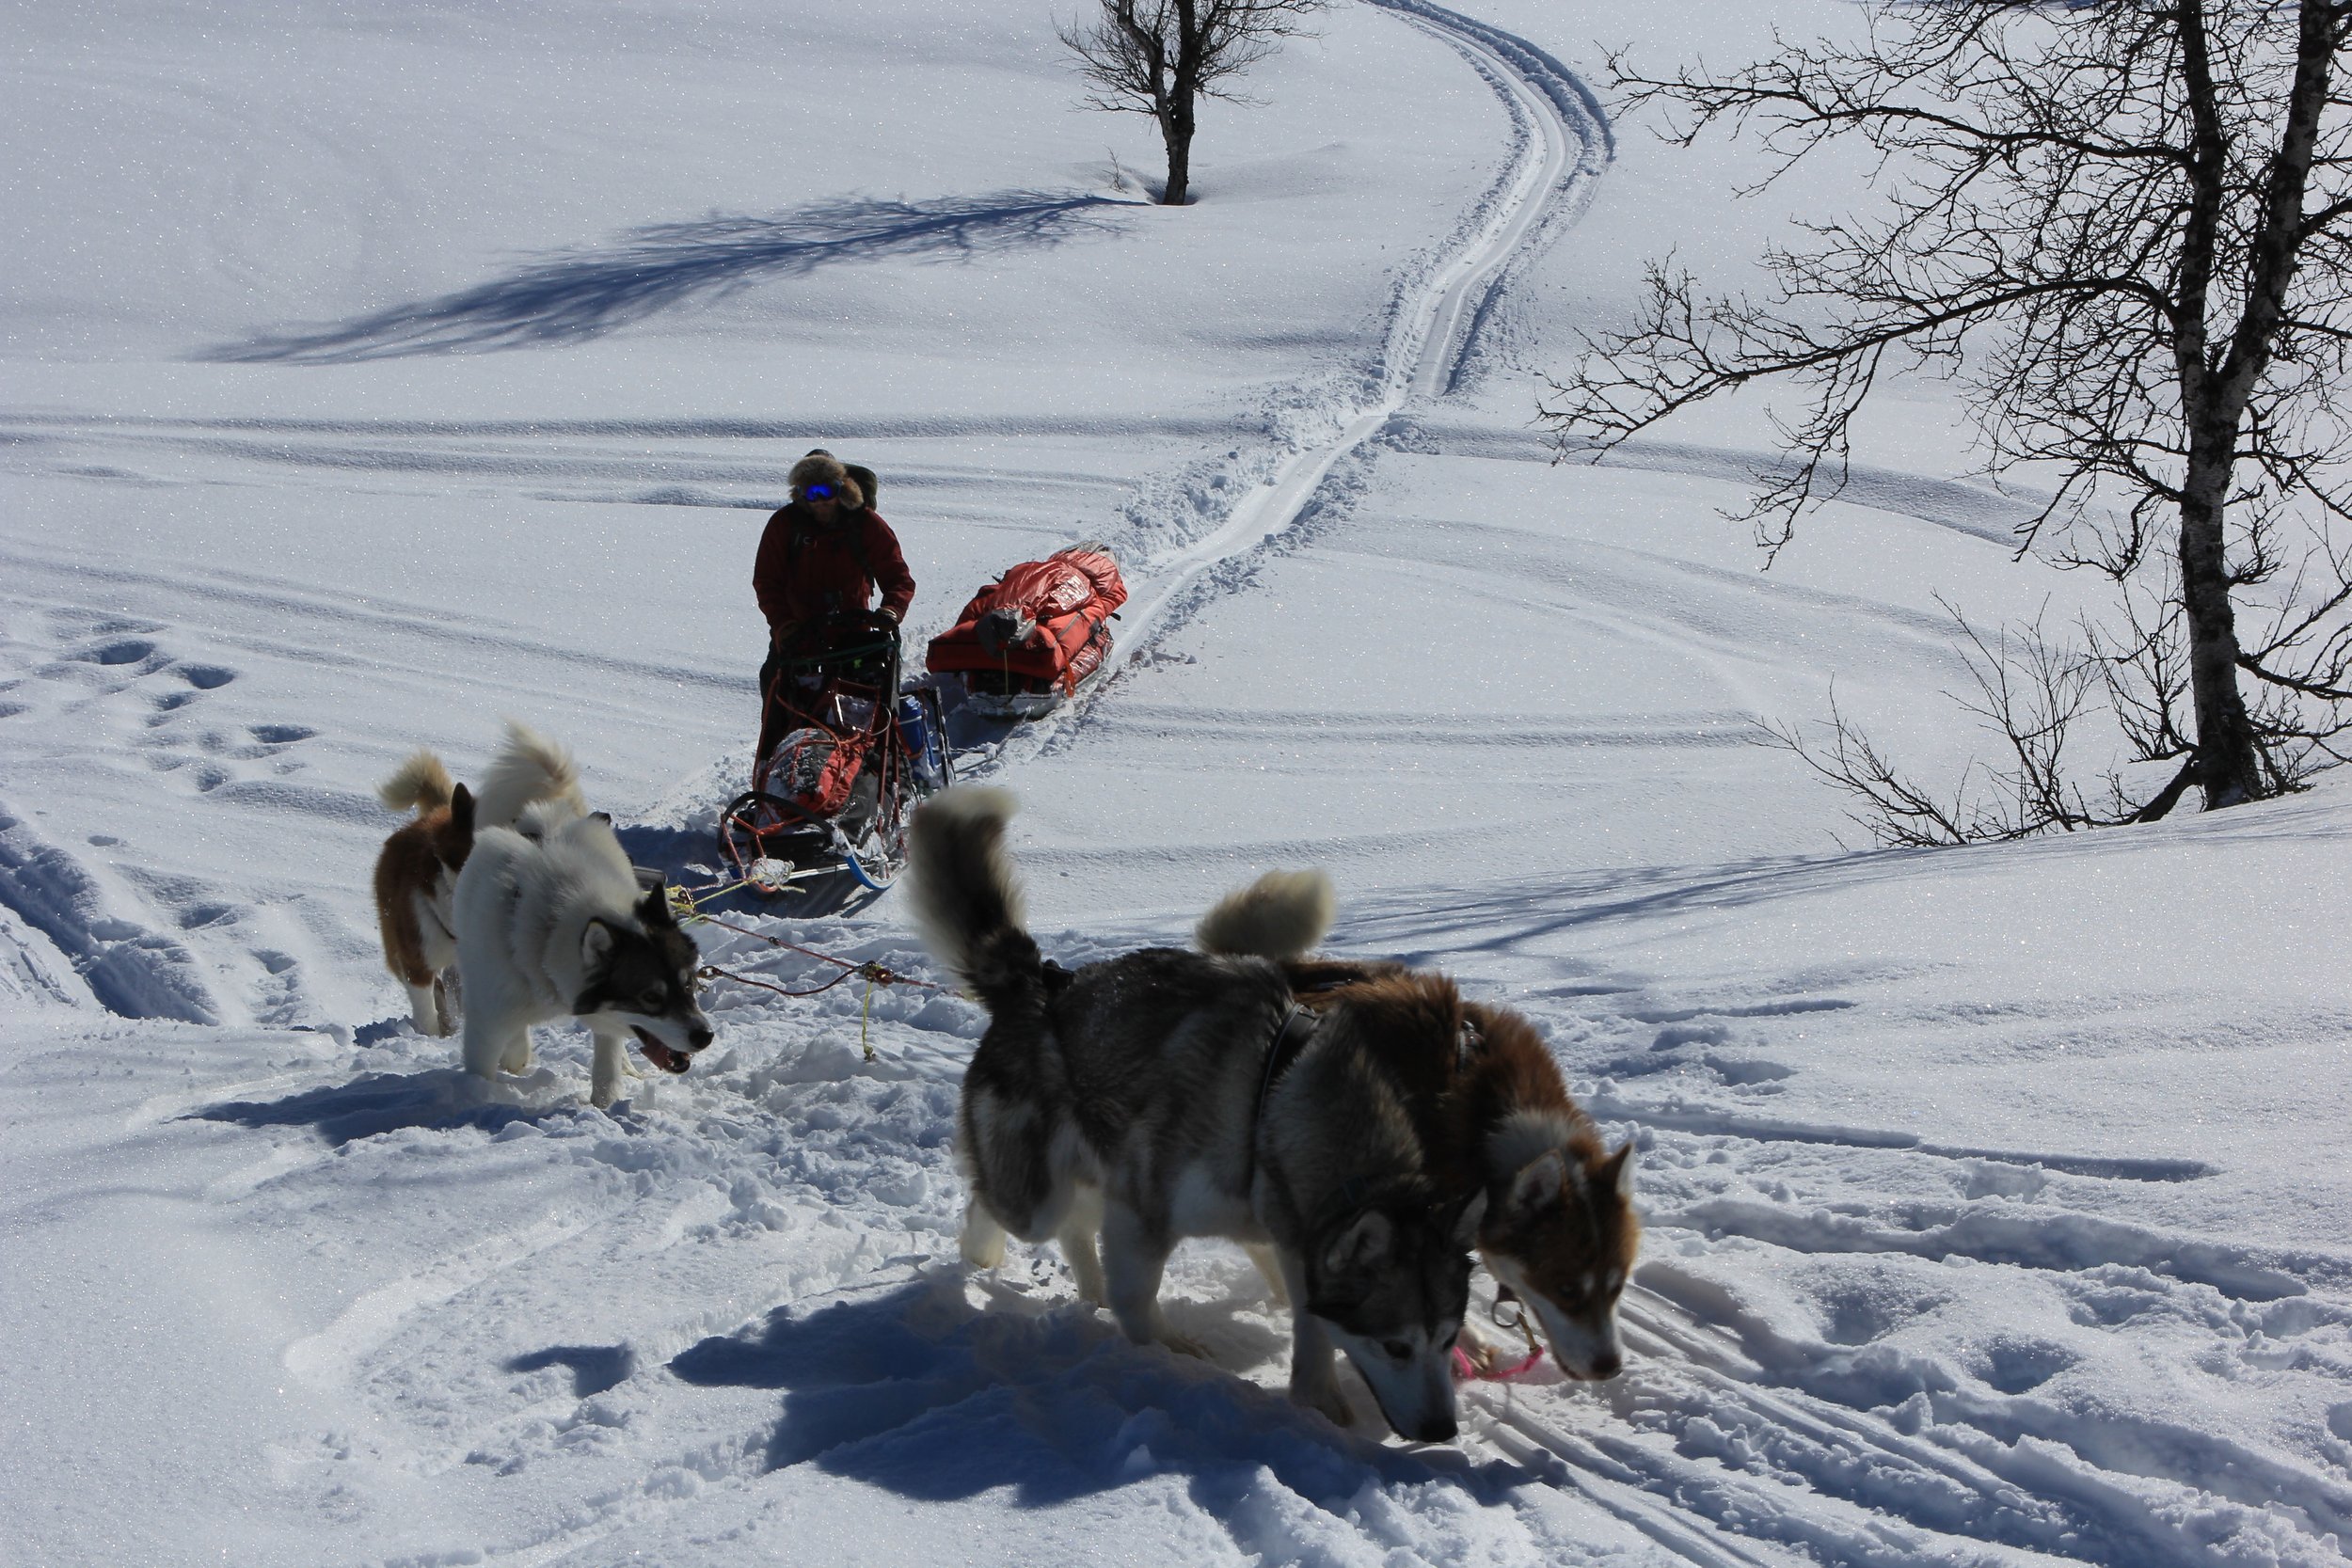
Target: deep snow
x=367, y=379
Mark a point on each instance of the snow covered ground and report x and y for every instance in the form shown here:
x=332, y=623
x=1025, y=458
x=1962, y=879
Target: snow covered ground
x=366, y=379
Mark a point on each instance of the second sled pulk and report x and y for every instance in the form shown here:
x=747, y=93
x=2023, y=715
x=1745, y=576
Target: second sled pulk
x=1037, y=636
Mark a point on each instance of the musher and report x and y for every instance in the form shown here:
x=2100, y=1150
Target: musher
x=822, y=558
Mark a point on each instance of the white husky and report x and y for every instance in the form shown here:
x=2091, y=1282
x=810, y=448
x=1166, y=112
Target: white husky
x=551, y=925
x=416, y=875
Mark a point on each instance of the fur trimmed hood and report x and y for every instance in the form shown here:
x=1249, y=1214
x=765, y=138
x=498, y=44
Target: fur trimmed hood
x=820, y=468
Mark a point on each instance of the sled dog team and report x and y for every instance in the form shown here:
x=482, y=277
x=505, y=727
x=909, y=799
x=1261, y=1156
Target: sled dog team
x=1360, y=1128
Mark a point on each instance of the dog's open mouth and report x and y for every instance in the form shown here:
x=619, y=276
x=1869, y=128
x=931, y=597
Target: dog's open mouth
x=659, y=1054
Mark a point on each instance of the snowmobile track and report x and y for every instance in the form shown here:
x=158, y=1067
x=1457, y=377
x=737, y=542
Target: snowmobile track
x=1561, y=142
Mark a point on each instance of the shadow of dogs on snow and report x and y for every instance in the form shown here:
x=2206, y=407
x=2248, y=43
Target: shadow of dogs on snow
x=574, y=295
x=915, y=1390
x=378, y=1102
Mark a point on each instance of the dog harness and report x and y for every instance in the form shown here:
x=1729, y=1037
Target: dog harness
x=1290, y=1038
x=1297, y=1028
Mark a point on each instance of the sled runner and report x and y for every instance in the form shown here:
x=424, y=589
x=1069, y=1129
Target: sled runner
x=854, y=756
x=1037, y=636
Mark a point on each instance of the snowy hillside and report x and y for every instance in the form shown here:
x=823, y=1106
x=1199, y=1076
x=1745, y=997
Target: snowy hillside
x=366, y=379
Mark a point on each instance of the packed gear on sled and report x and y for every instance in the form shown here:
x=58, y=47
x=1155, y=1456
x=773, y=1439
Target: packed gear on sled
x=1032, y=637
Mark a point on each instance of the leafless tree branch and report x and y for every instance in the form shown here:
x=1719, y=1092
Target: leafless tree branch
x=2127, y=231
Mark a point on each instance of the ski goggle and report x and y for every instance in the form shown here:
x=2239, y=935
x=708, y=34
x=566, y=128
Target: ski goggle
x=816, y=493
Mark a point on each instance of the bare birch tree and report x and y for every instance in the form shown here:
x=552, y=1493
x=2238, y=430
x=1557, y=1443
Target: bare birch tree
x=2126, y=230
x=1158, y=57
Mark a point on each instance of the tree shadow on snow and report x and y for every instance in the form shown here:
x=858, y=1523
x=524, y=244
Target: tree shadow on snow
x=574, y=295
x=917, y=1391
x=379, y=1103
x=1435, y=929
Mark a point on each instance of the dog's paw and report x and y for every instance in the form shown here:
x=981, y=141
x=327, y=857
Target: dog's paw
x=1183, y=1345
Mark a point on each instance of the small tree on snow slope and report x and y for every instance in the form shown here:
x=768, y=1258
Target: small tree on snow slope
x=2126, y=229
x=1160, y=56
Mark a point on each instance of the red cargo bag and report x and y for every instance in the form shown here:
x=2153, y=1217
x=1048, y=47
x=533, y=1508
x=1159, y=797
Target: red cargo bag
x=1042, y=627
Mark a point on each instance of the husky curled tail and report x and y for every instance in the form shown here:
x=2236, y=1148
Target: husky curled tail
x=422, y=785
x=967, y=904
x=1281, y=915
x=1558, y=1227
x=533, y=771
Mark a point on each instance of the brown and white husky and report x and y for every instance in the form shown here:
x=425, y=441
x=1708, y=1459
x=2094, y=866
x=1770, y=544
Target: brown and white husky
x=1559, y=1227
x=414, y=877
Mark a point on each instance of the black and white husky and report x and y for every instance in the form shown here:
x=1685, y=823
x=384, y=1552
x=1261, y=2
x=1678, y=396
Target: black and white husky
x=1168, y=1093
x=552, y=924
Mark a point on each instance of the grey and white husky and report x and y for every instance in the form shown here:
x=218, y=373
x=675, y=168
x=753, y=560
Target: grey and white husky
x=1167, y=1093
x=550, y=924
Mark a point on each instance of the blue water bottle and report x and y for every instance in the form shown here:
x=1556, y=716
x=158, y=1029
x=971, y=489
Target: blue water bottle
x=923, y=745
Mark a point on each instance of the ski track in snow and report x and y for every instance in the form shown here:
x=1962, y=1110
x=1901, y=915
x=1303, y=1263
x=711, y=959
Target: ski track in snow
x=1560, y=144
x=853, y=1349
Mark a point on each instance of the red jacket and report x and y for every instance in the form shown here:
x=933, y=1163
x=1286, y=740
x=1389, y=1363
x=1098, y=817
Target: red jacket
x=805, y=572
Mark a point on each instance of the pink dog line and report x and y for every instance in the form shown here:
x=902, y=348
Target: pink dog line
x=1466, y=1373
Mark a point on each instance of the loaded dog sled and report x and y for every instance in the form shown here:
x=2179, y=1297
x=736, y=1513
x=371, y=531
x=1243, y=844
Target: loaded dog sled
x=1037, y=636
x=853, y=756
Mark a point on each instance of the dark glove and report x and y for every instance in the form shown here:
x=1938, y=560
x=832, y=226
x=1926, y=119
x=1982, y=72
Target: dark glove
x=1001, y=628
x=886, y=613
